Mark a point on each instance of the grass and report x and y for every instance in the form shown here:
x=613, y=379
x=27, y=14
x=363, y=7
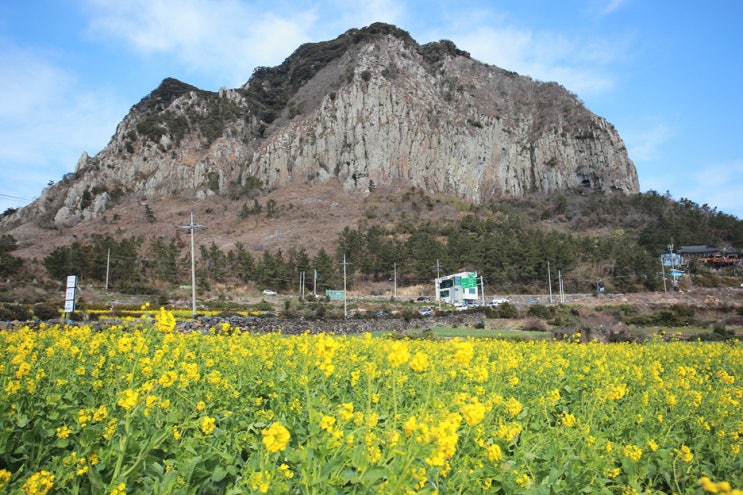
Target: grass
x=464, y=332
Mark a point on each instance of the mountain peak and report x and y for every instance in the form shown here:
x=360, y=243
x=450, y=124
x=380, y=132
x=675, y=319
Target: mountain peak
x=369, y=108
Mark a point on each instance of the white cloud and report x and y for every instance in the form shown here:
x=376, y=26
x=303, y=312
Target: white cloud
x=225, y=37
x=581, y=65
x=365, y=13
x=718, y=185
x=47, y=119
x=645, y=144
x=611, y=6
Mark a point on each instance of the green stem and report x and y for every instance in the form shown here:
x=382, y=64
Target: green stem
x=123, y=443
x=143, y=453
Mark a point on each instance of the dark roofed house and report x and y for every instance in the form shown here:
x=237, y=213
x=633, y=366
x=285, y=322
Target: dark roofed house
x=716, y=256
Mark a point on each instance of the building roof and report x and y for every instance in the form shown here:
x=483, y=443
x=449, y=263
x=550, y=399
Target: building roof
x=696, y=249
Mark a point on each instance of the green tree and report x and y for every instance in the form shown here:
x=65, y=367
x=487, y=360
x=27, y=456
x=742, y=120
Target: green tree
x=327, y=271
x=9, y=264
x=244, y=263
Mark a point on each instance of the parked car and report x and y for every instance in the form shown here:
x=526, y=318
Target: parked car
x=269, y=292
x=426, y=312
x=461, y=307
x=496, y=302
x=471, y=303
x=381, y=314
x=423, y=299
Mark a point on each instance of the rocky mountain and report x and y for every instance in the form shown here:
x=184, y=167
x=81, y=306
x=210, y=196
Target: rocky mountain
x=370, y=108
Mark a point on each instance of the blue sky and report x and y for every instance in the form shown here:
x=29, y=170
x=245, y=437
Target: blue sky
x=666, y=73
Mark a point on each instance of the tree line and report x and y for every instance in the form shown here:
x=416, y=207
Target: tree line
x=514, y=245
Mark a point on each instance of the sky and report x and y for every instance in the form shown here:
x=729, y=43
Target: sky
x=668, y=74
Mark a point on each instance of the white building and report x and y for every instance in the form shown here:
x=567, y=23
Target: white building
x=457, y=288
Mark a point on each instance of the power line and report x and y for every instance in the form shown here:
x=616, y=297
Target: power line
x=14, y=197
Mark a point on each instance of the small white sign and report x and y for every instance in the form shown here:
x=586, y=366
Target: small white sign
x=71, y=281
x=69, y=294
x=69, y=306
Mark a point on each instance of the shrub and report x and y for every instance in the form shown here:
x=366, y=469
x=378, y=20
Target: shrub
x=10, y=312
x=534, y=325
x=505, y=310
x=264, y=306
x=46, y=312
x=541, y=311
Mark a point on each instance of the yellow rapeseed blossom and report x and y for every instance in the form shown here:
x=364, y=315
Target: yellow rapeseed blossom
x=276, y=437
x=616, y=392
x=327, y=422
x=398, y=354
x=523, y=480
x=168, y=379
x=458, y=425
x=552, y=397
x=464, y=352
x=4, y=477
x=473, y=413
x=100, y=414
x=722, y=487
x=633, y=452
x=568, y=420
x=419, y=362
x=260, y=481
x=39, y=483
x=684, y=453
x=119, y=489
x=494, y=453
x=128, y=399
x=345, y=411
x=284, y=468
x=164, y=320
x=513, y=407
x=207, y=425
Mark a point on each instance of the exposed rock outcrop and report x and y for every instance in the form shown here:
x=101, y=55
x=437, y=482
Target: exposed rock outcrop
x=369, y=108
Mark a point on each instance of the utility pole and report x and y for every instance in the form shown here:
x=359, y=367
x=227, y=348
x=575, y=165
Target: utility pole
x=394, y=287
x=192, y=226
x=674, y=278
x=438, y=278
x=345, y=304
x=108, y=267
x=549, y=279
x=663, y=273
x=314, y=284
x=482, y=290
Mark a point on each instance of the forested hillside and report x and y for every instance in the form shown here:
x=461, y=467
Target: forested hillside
x=614, y=238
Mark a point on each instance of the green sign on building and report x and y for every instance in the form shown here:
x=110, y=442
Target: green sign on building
x=469, y=281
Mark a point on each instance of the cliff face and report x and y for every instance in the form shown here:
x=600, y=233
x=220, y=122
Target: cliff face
x=369, y=108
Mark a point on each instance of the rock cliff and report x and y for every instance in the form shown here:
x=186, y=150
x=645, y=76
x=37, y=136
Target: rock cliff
x=370, y=108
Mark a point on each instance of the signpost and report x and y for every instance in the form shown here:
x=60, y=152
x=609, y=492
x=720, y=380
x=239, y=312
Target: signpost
x=335, y=295
x=70, y=294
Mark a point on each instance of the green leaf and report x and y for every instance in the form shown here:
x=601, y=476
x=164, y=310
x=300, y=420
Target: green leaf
x=189, y=466
x=373, y=475
x=219, y=474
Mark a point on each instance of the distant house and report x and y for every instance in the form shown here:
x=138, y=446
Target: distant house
x=714, y=256
x=457, y=288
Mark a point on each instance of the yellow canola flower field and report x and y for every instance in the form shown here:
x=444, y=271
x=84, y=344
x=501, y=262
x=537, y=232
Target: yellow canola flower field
x=141, y=409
